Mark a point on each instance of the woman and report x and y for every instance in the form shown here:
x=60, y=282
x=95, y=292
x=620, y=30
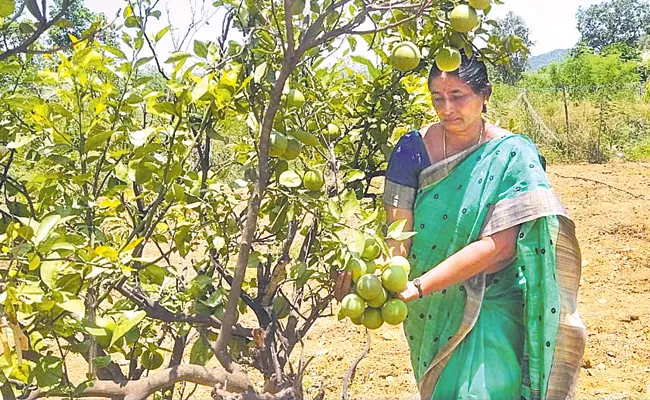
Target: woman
x=495, y=263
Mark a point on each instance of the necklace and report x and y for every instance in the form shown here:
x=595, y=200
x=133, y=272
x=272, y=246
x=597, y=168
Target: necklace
x=444, y=139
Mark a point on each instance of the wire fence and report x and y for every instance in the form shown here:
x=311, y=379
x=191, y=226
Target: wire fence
x=579, y=123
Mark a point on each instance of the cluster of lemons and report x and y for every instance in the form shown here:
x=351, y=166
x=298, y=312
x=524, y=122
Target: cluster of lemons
x=372, y=301
x=463, y=19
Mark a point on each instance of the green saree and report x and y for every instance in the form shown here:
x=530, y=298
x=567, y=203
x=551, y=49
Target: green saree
x=515, y=334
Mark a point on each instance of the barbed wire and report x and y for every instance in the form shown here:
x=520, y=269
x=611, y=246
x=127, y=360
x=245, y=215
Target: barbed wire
x=621, y=86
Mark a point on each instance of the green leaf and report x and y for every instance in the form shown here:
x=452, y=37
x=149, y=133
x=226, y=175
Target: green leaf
x=290, y=179
x=48, y=372
x=102, y=361
x=364, y=61
x=161, y=33
x=155, y=273
x=96, y=331
x=371, y=217
x=142, y=61
x=354, y=175
x=396, y=231
x=34, y=261
x=26, y=28
x=46, y=226
x=396, y=228
x=115, y=51
x=96, y=141
x=132, y=22
x=139, y=138
x=350, y=204
x=76, y=307
x=201, y=88
x=201, y=352
x=181, y=241
x=125, y=323
x=177, y=57
x=7, y=7
x=50, y=272
x=357, y=242
x=200, y=49
x=260, y=71
x=334, y=209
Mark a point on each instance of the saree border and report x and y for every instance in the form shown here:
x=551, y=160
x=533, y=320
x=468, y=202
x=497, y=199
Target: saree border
x=525, y=207
x=397, y=195
x=571, y=336
x=440, y=170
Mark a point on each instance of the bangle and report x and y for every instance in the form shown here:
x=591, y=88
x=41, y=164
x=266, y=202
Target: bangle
x=417, y=283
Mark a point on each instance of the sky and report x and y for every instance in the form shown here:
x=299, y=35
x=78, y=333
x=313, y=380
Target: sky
x=552, y=23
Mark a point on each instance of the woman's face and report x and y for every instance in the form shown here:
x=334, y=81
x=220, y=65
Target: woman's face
x=457, y=105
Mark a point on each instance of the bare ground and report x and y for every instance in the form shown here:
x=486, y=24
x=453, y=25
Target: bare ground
x=613, y=227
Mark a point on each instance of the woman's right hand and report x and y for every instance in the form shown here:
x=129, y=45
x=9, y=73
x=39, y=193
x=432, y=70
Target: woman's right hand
x=342, y=284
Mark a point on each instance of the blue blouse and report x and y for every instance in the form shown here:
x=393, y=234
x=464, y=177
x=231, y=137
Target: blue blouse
x=408, y=160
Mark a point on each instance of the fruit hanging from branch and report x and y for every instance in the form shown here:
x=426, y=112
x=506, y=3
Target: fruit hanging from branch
x=405, y=57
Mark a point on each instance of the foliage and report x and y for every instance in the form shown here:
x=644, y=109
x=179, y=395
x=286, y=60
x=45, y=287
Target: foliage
x=78, y=21
x=615, y=21
x=588, y=75
x=158, y=222
x=513, y=25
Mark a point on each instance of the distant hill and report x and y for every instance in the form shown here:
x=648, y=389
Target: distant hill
x=538, y=62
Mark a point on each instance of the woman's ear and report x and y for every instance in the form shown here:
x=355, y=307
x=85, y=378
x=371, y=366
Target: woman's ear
x=486, y=97
x=488, y=92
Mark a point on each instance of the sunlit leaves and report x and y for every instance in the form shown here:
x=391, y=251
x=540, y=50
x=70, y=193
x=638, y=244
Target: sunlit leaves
x=7, y=8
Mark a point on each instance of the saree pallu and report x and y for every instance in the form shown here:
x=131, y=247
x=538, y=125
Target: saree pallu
x=515, y=334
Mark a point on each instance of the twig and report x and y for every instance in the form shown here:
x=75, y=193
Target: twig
x=40, y=30
x=353, y=367
x=636, y=196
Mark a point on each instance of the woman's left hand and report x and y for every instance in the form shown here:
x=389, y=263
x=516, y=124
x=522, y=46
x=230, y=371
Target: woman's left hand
x=408, y=294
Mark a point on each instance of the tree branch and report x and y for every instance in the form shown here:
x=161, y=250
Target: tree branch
x=288, y=26
x=42, y=28
x=237, y=382
x=156, y=311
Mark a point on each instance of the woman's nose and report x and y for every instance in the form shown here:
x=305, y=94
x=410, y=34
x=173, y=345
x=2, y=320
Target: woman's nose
x=444, y=107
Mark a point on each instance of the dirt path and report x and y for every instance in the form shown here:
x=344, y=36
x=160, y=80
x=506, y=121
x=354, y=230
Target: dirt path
x=614, y=232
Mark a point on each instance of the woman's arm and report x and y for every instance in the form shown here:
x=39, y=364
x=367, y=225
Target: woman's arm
x=488, y=254
x=399, y=248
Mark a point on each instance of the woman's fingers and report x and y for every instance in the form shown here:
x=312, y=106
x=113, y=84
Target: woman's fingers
x=342, y=285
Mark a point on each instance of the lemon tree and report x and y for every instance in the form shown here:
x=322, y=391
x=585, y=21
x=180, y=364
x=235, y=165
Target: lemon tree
x=152, y=200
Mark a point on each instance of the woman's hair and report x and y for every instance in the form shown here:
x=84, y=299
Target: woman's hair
x=471, y=71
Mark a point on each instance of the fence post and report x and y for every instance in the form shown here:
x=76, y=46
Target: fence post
x=566, y=111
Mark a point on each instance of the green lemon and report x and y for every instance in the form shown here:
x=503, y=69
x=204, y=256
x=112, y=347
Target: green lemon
x=448, y=59
x=313, y=180
x=353, y=305
x=372, y=318
x=293, y=149
x=394, y=279
x=405, y=56
x=379, y=301
x=369, y=287
x=295, y=98
x=479, y=4
x=279, y=144
x=463, y=18
x=394, y=312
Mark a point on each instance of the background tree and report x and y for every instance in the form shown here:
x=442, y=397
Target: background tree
x=512, y=27
x=77, y=21
x=615, y=21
